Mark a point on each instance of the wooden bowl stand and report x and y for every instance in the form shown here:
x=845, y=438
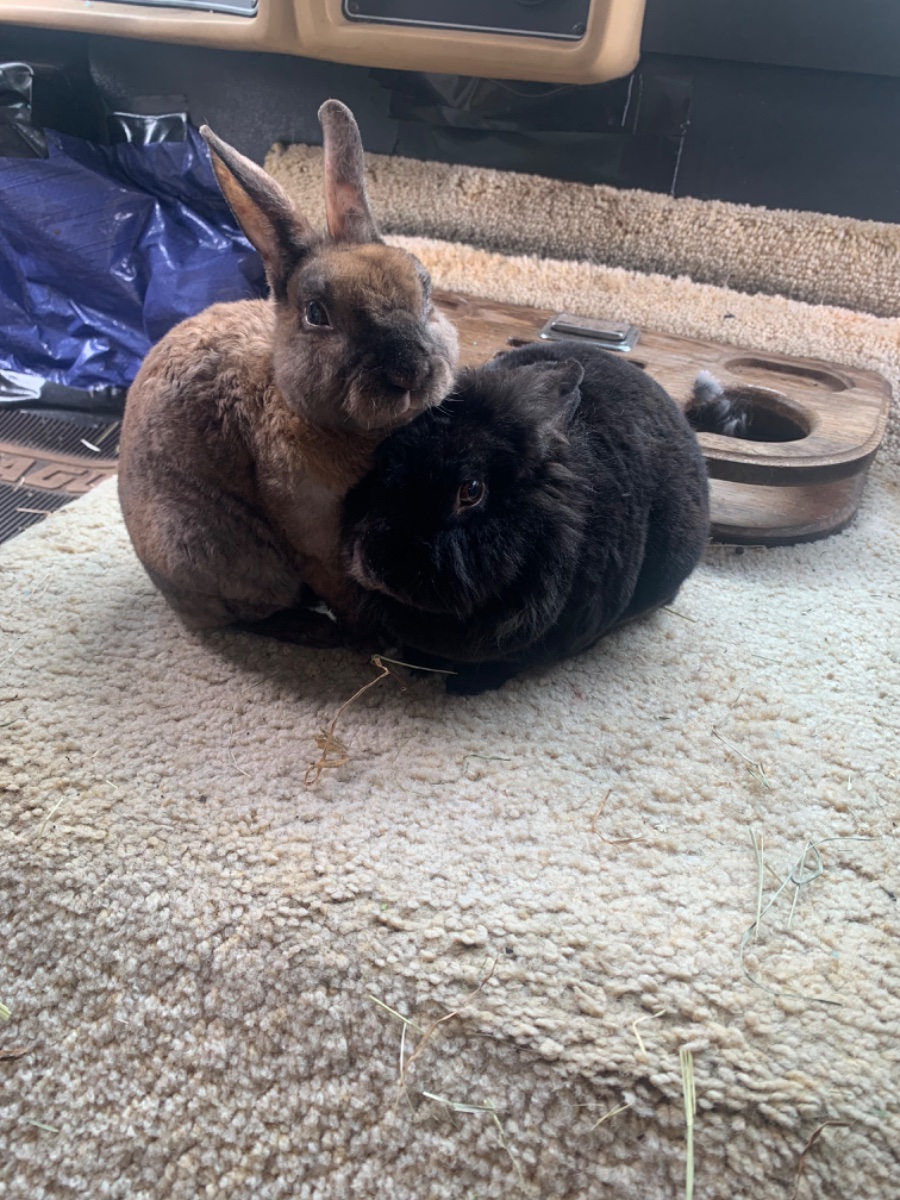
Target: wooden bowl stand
x=766, y=493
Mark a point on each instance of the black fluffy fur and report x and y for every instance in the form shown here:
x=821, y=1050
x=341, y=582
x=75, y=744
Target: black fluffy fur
x=596, y=510
x=715, y=409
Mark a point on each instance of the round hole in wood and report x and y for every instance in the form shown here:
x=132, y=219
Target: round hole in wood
x=768, y=416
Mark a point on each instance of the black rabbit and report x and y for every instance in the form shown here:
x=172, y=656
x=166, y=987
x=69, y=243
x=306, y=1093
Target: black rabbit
x=557, y=493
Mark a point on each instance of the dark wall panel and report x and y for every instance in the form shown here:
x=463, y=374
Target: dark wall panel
x=814, y=140
x=832, y=35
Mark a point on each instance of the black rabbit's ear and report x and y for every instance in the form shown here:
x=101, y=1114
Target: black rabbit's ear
x=263, y=210
x=347, y=209
x=567, y=377
x=557, y=389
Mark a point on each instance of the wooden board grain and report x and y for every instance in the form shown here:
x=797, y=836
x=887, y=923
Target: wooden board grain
x=764, y=492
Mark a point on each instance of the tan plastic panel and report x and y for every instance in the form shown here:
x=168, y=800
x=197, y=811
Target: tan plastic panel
x=316, y=29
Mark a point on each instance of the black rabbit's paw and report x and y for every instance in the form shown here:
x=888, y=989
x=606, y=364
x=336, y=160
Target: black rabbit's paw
x=482, y=677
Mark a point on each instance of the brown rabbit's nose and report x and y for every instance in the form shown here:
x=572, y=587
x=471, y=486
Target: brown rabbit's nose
x=409, y=375
x=405, y=360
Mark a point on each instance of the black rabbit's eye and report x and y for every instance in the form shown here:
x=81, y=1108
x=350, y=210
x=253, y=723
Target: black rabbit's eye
x=316, y=314
x=470, y=493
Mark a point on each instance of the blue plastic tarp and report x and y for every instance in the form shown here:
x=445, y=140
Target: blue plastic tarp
x=103, y=248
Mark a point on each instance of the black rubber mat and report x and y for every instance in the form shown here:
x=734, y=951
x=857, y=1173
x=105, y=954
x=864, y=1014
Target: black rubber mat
x=49, y=459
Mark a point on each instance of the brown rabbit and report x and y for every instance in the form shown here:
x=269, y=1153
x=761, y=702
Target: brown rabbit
x=248, y=423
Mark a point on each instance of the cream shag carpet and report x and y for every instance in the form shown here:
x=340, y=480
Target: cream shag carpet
x=820, y=259
x=206, y=962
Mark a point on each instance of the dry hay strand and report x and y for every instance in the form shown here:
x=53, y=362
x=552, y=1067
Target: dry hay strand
x=647, y=1017
x=334, y=753
x=41, y=1125
x=811, y=1141
x=684, y=616
x=609, y=841
x=613, y=1112
x=427, y=1035
x=399, y=1015
x=428, y=1032
x=760, y=864
x=689, y=1089
x=487, y=1107
x=53, y=811
x=755, y=768
x=8, y=1052
x=799, y=881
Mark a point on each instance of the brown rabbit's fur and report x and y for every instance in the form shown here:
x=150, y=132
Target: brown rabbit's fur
x=247, y=424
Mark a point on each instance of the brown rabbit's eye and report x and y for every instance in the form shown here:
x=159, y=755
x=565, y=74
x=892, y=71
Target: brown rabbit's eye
x=470, y=493
x=316, y=314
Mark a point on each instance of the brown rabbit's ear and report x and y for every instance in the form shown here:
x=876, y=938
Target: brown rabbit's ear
x=262, y=209
x=346, y=203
